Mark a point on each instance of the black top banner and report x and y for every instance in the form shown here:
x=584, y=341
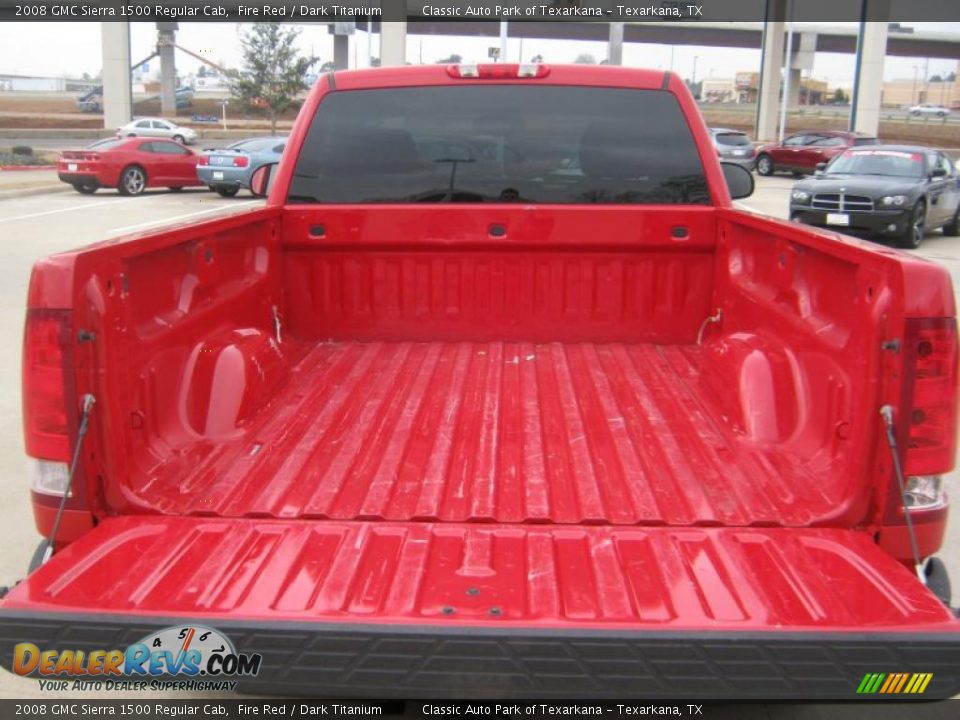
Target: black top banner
x=600, y=11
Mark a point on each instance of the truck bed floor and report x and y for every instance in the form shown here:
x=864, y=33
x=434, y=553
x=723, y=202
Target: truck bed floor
x=499, y=432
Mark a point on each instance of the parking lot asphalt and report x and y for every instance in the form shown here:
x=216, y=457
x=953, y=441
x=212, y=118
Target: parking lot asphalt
x=35, y=226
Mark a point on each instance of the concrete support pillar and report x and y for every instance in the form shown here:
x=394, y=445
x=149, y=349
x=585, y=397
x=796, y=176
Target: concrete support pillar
x=615, y=44
x=341, y=52
x=768, y=100
x=793, y=98
x=868, y=74
x=393, y=43
x=166, y=37
x=117, y=97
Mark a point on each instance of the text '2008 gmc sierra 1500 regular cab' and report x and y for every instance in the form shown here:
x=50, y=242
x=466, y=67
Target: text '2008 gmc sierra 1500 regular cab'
x=497, y=395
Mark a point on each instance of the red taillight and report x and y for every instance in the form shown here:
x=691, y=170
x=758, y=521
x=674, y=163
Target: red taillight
x=91, y=157
x=44, y=389
x=241, y=161
x=498, y=71
x=930, y=411
x=204, y=160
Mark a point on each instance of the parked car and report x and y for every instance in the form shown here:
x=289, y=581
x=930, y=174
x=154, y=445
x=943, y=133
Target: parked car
x=801, y=152
x=892, y=191
x=129, y=164
x=91, y=101
x=927, y=109
x=556, y=420
x=733, y=146
x=226, y=171
x=159, y=128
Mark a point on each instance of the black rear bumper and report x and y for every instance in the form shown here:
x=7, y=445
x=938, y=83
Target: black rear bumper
x=377, y=661
x=78, y=179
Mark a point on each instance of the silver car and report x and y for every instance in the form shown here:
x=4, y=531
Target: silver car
x=226, y=171
x=733, y=146
x=928, y=109
x=158, y=127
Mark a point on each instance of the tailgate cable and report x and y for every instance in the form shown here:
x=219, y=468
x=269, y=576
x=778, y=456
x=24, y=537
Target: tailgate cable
x=277, y=323
x=715, y=318
x=886, y=413
x=88, y=403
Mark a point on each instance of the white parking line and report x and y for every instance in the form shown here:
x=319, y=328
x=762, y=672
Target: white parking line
x=68, y=209
x=175, y=218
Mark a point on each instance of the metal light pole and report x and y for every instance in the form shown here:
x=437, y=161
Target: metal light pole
x=503, y=41
x=786, y=79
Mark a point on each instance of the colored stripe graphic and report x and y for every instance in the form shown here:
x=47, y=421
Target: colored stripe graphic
x=903, y=680
x=894, y=683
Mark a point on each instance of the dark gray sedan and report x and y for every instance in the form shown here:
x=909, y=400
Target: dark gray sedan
x=226, y=171
x=893, y=191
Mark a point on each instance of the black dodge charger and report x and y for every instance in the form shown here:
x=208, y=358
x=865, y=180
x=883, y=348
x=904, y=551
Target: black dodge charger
x=886, y=191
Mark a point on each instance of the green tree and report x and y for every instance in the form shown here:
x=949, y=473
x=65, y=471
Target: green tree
x=585, y=59
x=328, y=66
x=840, y=97
x=273, y=72
x=936, y=78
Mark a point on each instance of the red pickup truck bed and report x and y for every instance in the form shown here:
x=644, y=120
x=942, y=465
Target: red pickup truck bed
x=499, y=448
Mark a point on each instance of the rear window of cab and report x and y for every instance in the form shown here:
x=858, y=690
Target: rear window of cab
x=500, y=143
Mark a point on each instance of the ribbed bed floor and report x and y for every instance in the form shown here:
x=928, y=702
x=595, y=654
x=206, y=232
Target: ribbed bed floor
x=498, y=432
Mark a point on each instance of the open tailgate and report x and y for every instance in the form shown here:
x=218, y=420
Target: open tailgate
x=425, y=610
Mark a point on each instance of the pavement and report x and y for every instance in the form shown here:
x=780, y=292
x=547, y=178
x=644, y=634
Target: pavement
x=18, y=183
x=34, y=226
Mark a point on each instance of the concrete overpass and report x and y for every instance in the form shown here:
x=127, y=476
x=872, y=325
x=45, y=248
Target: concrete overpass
x=870, y=42
x=829, y=38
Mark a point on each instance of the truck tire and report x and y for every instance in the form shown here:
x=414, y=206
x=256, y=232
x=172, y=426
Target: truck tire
x=133, y=180
x=912, y=235
x=227, y=192
x=39, y=556
x=938, y=581
x=765, y=165
x=952, y=228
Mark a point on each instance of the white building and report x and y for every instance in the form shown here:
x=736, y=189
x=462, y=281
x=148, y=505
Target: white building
x=29, y=83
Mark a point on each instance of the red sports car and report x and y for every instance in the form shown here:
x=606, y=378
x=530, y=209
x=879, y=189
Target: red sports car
x=129, y=164
x=801, y=152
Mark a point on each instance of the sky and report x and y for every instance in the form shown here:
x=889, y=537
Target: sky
x=74, y=48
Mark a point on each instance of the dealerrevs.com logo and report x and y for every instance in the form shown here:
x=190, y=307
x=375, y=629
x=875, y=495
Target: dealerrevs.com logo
x=199, y=657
